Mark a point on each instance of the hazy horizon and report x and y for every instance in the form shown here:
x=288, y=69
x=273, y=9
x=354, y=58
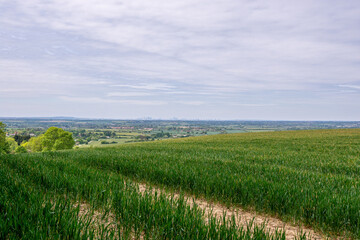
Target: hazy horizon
x=168, y=119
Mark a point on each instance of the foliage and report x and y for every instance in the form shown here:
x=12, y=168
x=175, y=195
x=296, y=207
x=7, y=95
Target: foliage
x=20, y=149
x=57, y=139
x=35, y=144
x=20, y=138
x=53, y=139
x=12, y=144
x=4, y=146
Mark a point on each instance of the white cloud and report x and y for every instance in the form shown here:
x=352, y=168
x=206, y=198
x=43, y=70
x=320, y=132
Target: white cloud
x=237, y=44
x=253, y=104
x=154, y=86
x=210, y=51
x=98, y=100
x=194, y=103
x=16, y=90
x=128, y=94
x=350, y=86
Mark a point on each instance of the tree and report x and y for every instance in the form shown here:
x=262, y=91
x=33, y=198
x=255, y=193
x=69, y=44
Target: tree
x=20, y=149
x=12, y=144
x=34, y=144
x=21, y=138
x=57, y=139
x=53, y=139
x=4, y=145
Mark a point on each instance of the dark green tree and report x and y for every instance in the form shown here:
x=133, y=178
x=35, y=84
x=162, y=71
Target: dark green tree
x=4, y=145
x=19, y=138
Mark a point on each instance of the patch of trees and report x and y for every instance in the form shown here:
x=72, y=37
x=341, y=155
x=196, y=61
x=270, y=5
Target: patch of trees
x=13, y=145
x=109, y=133
x=4, y=146
x=82, y=141
x=106, y=142
x=142, y=137
x=161, y=135
x=19, y=138
x=53, y=139
x=7, y=144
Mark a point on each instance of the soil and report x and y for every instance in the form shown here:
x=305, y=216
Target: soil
x=242, y=216
x=98, y=219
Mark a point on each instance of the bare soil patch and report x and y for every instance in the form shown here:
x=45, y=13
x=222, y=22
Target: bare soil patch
x=102, y=224
x=100, y=221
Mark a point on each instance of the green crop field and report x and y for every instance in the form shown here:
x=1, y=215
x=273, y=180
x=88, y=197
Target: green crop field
x=41, y=194
x=311, y=177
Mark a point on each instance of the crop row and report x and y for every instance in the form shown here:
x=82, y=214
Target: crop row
x=39, y=192
x=308, y=176
x=27, y=213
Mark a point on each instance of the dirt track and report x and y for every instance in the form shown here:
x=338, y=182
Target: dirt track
x=244, y=217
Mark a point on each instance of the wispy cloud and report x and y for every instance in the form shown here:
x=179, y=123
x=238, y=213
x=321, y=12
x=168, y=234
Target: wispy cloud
x=128, y=94
x=16, y=90
x=220, y=52
x=254, y=104
x=194, y=103
x=351, y=86
x=104, y=100
x=154, y=86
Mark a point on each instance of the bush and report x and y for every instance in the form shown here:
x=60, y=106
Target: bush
x=4, y=145
x=20, y=149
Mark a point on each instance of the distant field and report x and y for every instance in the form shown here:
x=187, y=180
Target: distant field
x=125, y=137
x=310, y=177
x=111, y=141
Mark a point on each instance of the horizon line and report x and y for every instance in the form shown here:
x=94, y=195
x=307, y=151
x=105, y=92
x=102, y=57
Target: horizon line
x=170, y=119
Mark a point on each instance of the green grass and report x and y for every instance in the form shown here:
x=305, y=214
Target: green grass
x=39, y=191
x=310, y=176
x=110, y=140
x=27, y=213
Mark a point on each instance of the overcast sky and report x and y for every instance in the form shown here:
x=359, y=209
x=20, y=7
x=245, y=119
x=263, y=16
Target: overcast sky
x=191, y=59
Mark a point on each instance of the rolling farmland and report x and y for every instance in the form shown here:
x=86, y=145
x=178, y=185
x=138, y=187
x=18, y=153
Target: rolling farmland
x=305, y=177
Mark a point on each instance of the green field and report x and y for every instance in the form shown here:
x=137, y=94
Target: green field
x=311, y=177
x=41, y=196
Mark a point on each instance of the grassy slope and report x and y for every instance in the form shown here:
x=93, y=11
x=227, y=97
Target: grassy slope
x=311, y=176
x=38, y=193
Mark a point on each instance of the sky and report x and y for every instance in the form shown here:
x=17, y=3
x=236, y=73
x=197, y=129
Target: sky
x=185, y=59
